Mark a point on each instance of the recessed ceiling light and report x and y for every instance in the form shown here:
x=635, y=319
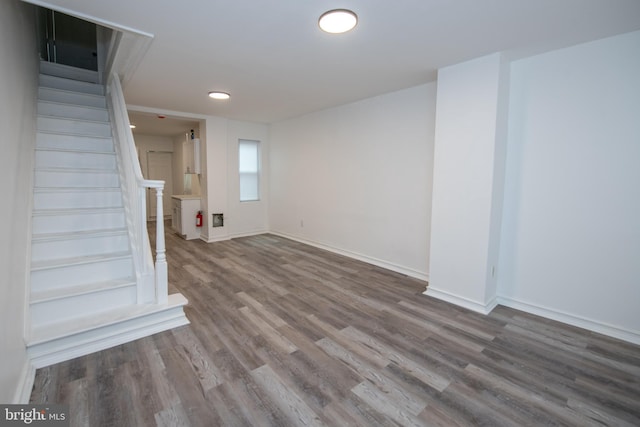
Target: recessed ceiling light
x=219, y=95
x=132, y=126
x=337, y=21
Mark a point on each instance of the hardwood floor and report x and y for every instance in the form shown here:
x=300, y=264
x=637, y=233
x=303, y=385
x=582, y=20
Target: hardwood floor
x=284, y=334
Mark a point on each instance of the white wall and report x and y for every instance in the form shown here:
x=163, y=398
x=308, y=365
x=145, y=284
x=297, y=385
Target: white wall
x=247, y=217
x=357, y=178
x=571, y=229
x=468, y=180
x=220, y=179
x=18, y=90
x=214, y=175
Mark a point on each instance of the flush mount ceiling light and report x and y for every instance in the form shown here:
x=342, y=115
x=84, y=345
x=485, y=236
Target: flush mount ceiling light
x=219, y=95
x=337, y=21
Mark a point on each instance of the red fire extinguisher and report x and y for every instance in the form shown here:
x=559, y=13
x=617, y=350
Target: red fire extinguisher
x=199, y=219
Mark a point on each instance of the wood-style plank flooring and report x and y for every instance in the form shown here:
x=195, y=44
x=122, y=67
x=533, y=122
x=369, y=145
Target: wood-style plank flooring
x=284, y=334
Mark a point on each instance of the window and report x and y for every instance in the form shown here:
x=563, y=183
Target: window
x=249, y=164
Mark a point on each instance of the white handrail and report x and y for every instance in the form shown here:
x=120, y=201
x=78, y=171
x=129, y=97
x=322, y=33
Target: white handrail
x=152, y=280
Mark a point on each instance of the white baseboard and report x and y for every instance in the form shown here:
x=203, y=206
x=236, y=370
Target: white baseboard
x=27, y=378
x=247, y=234
x=232, y=236
x=462, y=301
x=214, y=239
x=360, y=257
x=571, y=319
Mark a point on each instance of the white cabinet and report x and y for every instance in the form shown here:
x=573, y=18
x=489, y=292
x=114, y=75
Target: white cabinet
x=183, y=216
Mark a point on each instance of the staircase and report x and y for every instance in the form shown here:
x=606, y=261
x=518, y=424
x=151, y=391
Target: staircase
x=84, y=294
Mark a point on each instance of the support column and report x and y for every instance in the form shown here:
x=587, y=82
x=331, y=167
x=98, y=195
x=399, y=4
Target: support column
x=468, y=181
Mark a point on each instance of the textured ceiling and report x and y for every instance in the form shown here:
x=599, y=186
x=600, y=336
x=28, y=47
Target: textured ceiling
x=276, y=64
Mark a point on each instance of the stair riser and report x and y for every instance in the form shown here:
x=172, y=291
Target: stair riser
x=70, y=85
x=68, y=72
x=66, y=97
x=72, y=111
x=45, y=178
x=68, y=159
x=77, y=199
x=50, y=124
x=57, y=278
x=73, y=142
x=59, y=249
x=77, y=222
x=81, y=305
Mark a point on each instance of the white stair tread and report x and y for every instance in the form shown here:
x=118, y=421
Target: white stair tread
x=76, y=170
x=71, y=97
x=91, y=170
x=71, y=119
x=71, y=291
x=75, y=326
x=74, y=189
x=98, y=137
x=76, y=211
x=88, y=259
x=69, y=92
x=69, y=235
x=73, y=126
x=75, y=150
x=51, y=81
x=68, y=71
x=67, y=104
x=89, y=143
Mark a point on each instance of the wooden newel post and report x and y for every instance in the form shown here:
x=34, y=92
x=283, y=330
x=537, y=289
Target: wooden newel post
x=162, y=287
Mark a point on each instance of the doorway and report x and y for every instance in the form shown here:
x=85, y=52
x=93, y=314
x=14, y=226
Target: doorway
x=67, y=40
x=159, y=166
